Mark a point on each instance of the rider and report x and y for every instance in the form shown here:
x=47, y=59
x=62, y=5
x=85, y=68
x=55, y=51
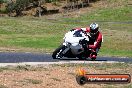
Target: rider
x=95, y=39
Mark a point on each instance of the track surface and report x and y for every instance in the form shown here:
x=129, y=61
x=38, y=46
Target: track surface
x=31, y=57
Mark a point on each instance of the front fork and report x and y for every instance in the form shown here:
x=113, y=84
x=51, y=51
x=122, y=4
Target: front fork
x=66, y=50
x=67, y=47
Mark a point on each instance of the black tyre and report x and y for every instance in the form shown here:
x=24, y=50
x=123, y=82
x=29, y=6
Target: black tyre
x=93, y=59
x=81, y=80
x=82, y=58
x=57, y=54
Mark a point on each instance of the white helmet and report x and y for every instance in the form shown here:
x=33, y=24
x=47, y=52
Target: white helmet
x=94, y=28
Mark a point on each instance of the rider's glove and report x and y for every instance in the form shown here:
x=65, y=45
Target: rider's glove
x=84, y=44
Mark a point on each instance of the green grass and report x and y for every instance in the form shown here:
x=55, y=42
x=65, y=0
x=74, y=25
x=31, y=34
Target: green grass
x=32, y=33
x=39, y=33
x=35, y=42
x=108, y=14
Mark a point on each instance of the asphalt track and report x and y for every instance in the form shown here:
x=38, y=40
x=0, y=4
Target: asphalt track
x=11, y=57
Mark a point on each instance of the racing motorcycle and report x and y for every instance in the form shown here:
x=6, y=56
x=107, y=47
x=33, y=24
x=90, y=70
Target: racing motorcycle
x=74, y=46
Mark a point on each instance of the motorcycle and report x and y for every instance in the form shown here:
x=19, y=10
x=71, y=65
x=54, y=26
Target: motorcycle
x=74, y=46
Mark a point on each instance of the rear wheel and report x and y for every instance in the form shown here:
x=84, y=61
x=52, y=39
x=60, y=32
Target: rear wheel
x=57, y=54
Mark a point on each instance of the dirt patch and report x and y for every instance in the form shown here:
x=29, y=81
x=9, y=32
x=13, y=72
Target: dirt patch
x=56, y=76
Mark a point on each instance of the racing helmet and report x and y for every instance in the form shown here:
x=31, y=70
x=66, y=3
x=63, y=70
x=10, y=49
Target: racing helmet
x=94, y=28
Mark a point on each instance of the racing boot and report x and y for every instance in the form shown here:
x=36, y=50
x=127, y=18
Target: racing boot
x=93, y=55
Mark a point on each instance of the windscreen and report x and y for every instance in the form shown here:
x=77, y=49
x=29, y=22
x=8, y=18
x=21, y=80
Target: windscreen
x=78, y=33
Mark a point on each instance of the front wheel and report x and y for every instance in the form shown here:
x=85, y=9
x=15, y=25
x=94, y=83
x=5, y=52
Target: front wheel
x=57, y=54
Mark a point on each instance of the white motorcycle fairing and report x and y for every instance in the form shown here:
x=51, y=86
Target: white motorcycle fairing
x=71, y=40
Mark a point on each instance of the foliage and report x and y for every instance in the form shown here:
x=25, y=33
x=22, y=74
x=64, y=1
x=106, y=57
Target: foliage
x=3, y=1
x=18, y=6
